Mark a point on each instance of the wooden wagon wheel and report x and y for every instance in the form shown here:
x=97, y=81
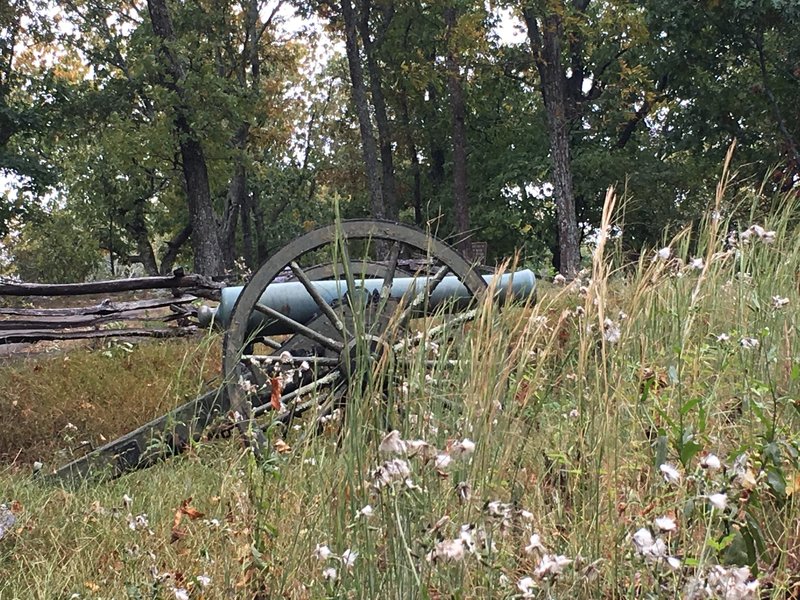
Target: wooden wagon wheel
x=359, y=314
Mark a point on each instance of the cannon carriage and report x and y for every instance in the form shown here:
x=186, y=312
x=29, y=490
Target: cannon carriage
x=297, y=345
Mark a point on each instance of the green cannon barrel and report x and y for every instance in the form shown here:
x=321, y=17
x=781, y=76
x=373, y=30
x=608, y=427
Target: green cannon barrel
x=293, y=300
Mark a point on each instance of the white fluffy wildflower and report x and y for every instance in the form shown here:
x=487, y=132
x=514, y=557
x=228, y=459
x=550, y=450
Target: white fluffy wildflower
x=611, y=331
x=495, y=508
x=127, y=501
x=322, y=552
x=464, y=491
x=718, y=501
x=392, y=470
x=723, y=337
x=349, y=558
x=463, y=448
x=203, y=580
x=138, y=522
x=329, y=574
x=642, y=539
x=666, y=524
x=420, y=448
x=663, y=254
x=535, y=544
x=778, y=302
x=448, y=550
x=551, y=565
x=465, y=535
x=7, y=520
x=757, y=232
x=697, y=264
x=365, y=512
x=442, y=461
x=652, y=549
x=731, y=583
x=749, y=343
x=711, y=463
x=559, y=279
x=392, y=443
x=180, y=593
x=526, y=585
x=37, y=466
x=247, y=386
x=670, y=473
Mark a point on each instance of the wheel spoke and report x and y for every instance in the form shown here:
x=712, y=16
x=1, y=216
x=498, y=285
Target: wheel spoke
x=436, y=331
x=328, y=379
x=270, y=359
x=298, y=327
x=268, y=341
x=314, y=293
x=427, y=291
x=388, y=279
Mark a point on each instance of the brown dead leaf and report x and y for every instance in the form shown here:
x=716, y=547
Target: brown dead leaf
x=190, y=511
x=91, y=586
x=275, y=394
x=176, y=533
x=282, y=447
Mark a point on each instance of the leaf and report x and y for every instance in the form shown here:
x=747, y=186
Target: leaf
x=176, y=533
x=662, y=446
x=190, y=511
x=282, y=447
x=776, y=481
x=275, y=394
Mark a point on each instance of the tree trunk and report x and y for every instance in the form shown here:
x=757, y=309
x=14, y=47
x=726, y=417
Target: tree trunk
x=389, y=186
x=205, y=238
x=261, y=232
x=414, y=158
x=237, y=190
x=136, y=226
x=173, y=249
x=546, y=46
x=247, y=231
x=459, y=110
x=359, y=92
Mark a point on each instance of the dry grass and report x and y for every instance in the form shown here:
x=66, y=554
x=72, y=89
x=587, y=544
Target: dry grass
x=592, y=415
x=103, y=393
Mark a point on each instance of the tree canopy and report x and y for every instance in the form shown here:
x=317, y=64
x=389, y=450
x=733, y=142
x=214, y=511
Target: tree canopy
x=140, y=133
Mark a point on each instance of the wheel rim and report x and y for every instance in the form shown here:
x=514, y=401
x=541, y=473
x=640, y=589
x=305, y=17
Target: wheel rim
x=397, y=236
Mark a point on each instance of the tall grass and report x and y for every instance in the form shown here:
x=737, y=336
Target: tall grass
x=593, y=413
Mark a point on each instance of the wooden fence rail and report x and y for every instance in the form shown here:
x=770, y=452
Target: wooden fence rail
x=106, y=319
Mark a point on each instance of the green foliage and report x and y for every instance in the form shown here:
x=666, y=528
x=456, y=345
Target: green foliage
x=54, y=249
x=664, y=88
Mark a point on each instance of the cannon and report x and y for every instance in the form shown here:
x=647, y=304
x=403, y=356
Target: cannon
x=302, y=343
